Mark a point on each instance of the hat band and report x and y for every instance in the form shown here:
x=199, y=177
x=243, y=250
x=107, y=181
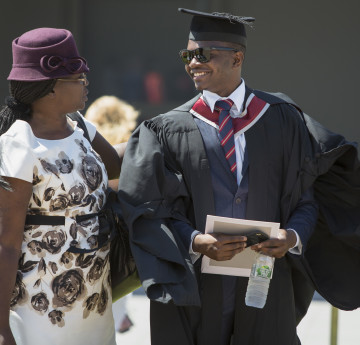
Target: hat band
x=52, y=63
x=217, y=36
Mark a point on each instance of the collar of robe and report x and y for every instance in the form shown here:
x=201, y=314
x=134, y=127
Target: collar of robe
x=255, y=108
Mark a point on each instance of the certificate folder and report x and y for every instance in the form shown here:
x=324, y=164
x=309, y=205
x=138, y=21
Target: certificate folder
x=240, y=264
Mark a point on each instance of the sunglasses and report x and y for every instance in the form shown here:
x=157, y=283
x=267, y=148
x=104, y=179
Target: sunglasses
x=82, y=79
x=200, y=54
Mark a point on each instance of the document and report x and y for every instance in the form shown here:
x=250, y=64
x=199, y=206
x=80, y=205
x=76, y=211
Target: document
x=240, y=264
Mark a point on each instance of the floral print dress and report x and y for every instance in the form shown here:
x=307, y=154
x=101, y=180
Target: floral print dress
x=60, y=296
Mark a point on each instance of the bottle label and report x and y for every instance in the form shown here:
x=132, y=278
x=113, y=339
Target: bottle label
x=262, y=271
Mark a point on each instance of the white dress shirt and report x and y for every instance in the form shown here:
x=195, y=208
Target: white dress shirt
x=238, y=97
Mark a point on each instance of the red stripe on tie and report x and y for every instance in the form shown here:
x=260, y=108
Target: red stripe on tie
x=228, y=136
x=233, y=167
x=228, y=102
x=232, y=150
x=225, y=121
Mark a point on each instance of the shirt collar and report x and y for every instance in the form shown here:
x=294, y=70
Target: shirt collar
x=237, y=96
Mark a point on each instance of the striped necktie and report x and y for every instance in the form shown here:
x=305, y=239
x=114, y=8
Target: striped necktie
x=226, y=132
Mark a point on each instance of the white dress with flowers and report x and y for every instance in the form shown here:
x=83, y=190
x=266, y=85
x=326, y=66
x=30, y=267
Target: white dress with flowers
x=60, y=297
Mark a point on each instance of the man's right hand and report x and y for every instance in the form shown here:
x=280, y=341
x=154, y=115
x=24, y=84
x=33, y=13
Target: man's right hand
x=219, y=247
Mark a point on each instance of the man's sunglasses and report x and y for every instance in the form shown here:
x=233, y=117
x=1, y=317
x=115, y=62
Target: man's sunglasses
x=200, y=54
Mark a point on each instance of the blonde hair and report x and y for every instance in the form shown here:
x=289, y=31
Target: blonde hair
x=114, y=118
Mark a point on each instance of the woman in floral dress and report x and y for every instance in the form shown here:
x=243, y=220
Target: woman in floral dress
x=54, y=278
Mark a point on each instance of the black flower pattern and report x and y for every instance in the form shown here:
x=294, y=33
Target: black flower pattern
x=90, y=304
x=91, y=172
x=19, y=294
x=26, y=266
x=89, y=200
x=49, y=193
x=48, y=167
x=35, y=248
x=36, y=178
x=40, y=302
x=81, y=145
x=37, y=233
x=96, y=270
x=53, y=241
x=28, y=228
x=64, y=164
x=61, y=202
x=76, y=194
x=84, y=261
x=95, y=229
x=87, y=222
x=53, y=266
x=42, y=267
x=68, y=287
x=36, y=199
x=56, y=318
x=101, y=200
x=103, y=300
x=93, y=241
x=73, y=230
x=67, y=259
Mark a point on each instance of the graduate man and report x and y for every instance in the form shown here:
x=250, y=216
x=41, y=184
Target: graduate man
x=233, y=152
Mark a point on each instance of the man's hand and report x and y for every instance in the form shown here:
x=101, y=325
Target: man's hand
x=277, y=247
x=219, y=247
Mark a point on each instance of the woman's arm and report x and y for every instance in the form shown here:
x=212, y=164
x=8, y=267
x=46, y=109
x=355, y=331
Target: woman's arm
x=108, y=154
x=13, y=207
x=120, y=149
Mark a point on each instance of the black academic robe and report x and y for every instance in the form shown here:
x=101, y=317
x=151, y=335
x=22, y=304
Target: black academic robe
x=166, y=176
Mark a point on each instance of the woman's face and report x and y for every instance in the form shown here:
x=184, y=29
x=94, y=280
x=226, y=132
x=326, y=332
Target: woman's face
x=72, y=91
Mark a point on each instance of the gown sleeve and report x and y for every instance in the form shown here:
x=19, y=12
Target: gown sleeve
x=152, y=194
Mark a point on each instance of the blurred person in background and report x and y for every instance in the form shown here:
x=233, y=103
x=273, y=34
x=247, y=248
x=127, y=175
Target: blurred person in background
x=115, y=119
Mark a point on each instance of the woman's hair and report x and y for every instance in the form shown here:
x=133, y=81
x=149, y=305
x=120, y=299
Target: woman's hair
x=114, y=118
x=18, y=106
x=22, y=95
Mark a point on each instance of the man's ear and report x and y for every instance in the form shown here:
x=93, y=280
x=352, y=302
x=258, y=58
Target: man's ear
x=238, y=59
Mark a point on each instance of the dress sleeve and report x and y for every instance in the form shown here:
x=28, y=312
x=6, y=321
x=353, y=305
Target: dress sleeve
x=17, y=158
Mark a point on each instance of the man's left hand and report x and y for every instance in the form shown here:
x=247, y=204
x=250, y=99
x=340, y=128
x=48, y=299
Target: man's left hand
x=277, y=247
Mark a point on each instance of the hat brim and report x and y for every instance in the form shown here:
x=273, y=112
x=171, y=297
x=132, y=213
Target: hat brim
x=38, y=74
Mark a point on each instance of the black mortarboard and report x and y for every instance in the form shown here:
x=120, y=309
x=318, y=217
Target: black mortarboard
x=218, y=26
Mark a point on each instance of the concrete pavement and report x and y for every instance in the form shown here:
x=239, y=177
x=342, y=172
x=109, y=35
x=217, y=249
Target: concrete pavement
x=313, y=330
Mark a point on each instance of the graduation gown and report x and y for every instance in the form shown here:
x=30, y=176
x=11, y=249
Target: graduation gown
x=165, y=175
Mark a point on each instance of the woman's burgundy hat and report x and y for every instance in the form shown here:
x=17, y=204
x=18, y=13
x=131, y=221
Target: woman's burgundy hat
x=45, y=53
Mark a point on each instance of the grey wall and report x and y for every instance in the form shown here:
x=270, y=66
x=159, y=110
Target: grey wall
x=307, y=49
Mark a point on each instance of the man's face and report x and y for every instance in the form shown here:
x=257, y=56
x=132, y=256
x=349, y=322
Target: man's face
x=222, y=74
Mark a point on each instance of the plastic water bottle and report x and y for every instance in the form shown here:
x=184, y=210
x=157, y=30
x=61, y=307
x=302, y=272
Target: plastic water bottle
x=259, y=281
